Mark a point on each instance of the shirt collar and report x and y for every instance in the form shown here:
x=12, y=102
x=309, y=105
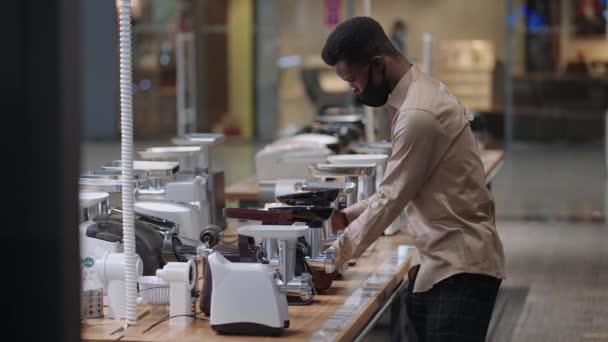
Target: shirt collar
x=397, y=96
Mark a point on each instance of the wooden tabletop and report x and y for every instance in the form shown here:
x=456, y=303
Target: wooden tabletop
x=247, y=189
x=105, y=329
x=492, y=162
x=337, y=314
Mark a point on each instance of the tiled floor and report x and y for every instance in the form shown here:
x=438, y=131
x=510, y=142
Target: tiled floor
x=557, y=285
x=552, y=181
x=557, y=282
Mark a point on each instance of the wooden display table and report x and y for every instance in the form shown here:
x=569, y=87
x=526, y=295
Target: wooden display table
x=247, y=189
x=104, y=329
x=337, y=314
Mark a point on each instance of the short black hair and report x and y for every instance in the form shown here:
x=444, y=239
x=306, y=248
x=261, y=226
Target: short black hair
x=357, y=40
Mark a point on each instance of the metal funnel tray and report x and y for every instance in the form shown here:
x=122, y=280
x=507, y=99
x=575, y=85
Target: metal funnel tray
x=358, y=159
x=154, y=168
x=322, y=198
x=89, y=199
x=138, y=175
x=101, y=185
x=306, y=214
x=343, y=187
x=314, y=138
x=374, y=148
x=170, y=152
x=197, y=139
x=342, y=170
x=352, y=118
x=274, y=232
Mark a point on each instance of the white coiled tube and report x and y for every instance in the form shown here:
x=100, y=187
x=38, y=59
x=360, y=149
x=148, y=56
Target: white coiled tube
x=126, y=149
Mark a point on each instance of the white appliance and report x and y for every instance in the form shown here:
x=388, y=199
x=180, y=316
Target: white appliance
x=246, y=298
x=91, y=205
x=380, y=160
x=181, y=277
x=186, y=205
x=110, y=270
x=289, y=160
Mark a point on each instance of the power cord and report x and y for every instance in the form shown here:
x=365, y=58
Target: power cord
x=195, y=316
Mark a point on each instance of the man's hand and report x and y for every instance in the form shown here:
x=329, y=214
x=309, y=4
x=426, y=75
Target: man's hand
x=339, y=222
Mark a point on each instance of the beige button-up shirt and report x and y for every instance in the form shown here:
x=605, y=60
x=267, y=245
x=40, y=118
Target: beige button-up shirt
x=435, y=173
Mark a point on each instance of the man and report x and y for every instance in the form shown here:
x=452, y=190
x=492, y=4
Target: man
x=435, y=173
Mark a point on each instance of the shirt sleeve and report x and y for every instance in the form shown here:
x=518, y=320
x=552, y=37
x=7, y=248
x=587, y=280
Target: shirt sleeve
x=414, y=137
x=355, y=210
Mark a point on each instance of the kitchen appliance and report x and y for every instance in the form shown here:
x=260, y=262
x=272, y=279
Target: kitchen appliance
x=246, y=298
x=214, y=178
x=287, y=238
x=308, y=251
x=288, y=161
x=383, y=147
x=110, y=269
x=351, y=173
x=181, y=277
x=154, y=292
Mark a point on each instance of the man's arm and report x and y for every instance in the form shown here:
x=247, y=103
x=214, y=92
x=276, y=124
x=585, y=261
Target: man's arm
x=414, y=142
x=341, y=219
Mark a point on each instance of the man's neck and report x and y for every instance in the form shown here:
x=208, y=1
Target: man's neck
x=398, y=67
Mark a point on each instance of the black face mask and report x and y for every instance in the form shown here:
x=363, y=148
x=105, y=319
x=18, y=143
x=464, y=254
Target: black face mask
x=375, y=95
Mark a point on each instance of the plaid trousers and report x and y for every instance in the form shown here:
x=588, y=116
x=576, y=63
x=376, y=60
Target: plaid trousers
x=457, y=308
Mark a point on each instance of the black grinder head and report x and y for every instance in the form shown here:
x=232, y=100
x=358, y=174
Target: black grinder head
x=321, y=198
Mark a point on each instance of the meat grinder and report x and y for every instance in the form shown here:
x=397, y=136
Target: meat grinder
x=351, y=173
x=383, y=147
x=309, y=252
x=102, y=232
x=379, y=160
x=160, y=195
x=196, y=180
x=288, y=158
x=204, y=168
x=260, y=308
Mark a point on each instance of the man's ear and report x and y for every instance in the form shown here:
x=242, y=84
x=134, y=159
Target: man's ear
x=377, y=63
